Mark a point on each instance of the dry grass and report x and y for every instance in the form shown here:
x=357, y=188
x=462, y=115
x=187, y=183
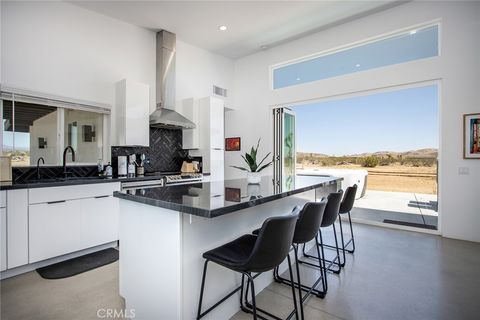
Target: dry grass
x=395, y=177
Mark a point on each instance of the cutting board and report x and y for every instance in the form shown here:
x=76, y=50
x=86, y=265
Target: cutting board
x=5, y=168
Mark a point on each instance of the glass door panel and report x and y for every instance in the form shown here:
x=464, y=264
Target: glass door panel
x=289, y=154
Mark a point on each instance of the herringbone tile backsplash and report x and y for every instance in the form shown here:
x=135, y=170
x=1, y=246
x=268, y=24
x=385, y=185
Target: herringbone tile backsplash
x=164, y=154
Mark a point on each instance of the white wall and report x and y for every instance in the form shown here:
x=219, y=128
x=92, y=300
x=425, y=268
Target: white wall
x=61, y=49
x=457, y=69
x=198, y=70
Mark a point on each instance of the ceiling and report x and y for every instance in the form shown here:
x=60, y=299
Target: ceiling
x=251, y=25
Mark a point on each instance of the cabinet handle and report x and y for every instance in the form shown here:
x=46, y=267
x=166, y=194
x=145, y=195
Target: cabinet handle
x=59, y=201
x=217, y=148
x=98, y=197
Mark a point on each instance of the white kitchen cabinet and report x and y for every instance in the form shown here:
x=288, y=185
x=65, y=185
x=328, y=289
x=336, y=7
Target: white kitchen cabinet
x=17, y=228
x=211, y=123
x=212, y=137
x=3, y=239
x=71, y=218
x=217, y=164
x=99, y=221
x=216, y=119
x=132, y=113
x=52, y=194
x=190, y=110
x=54, y=229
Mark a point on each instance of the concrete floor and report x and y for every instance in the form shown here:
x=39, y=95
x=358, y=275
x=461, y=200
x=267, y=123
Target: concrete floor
x=394, y=274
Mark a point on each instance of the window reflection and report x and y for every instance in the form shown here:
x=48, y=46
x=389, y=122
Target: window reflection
x=84, y=132
x=29, y=132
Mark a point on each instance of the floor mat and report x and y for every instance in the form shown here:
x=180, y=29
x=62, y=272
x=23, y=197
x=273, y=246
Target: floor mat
x=69, y=268
x=411, y=224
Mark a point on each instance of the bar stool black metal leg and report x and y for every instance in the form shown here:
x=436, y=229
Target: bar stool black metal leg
x=338, y=253
x=305, y=288
x=292, y=286
x=295, y=251
x=343, y=242
x=323, y=259
x=321, y=269
x=254, y=305
x=244, y=309
x=202, y=289
x=351, y=232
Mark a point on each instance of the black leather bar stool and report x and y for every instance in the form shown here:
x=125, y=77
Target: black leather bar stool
x=345, y=208
x=330, y=215
x=306, y=229
x=254, y=254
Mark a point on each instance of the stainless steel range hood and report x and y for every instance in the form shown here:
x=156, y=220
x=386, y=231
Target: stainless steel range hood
x=164, y=116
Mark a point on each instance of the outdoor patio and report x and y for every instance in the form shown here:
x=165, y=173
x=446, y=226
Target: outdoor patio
x=404, y=208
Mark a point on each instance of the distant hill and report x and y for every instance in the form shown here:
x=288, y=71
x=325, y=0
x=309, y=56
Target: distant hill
x=420, y=153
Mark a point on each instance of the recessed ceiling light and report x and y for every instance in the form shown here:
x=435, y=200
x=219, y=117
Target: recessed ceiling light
x=298, y=79
x=222, y=28
x=357, y=65
x=413, y=31
x=264, y=47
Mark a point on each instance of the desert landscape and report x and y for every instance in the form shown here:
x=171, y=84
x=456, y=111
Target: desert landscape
x=411, y=171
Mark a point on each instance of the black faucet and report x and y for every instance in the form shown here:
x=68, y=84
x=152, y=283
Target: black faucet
x=65, y=159
x=38, y=166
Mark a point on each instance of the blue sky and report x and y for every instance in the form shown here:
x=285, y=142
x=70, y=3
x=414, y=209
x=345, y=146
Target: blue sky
x=22, y=140
x=399, y=120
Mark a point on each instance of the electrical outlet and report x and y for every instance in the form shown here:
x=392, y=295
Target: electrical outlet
x=463, y=171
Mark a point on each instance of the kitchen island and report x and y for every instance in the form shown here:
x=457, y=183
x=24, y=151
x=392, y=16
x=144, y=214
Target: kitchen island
x=163, y=232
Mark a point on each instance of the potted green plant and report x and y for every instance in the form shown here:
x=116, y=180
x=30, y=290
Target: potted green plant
x=253, y=168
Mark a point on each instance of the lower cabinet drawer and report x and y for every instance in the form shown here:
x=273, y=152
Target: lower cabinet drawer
x=62, y=227
x=99, y=221
x=54, y=229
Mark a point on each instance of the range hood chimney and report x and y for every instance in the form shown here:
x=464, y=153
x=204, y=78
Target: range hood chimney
x=164, y=116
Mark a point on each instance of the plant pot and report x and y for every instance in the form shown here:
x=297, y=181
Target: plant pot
x=253, y=190
x=254, y=177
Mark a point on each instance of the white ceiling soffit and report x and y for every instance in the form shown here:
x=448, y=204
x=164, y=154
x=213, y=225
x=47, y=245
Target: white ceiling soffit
x=251, y=25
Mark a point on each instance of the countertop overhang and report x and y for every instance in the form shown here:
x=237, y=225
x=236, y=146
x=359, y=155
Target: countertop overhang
x=213, y=199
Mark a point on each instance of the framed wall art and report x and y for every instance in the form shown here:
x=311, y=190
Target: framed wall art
x=232, y=144
x=471, y=136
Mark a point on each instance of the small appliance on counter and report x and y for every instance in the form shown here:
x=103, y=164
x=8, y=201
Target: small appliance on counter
x=122, y=166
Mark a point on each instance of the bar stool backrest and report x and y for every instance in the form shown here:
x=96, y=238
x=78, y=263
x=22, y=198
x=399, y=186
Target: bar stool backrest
x=273, y=243
x=332, y=209
x=309, y=221
x=348, y=199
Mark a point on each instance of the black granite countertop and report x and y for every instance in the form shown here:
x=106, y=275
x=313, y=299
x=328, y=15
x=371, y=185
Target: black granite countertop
x=57, y=182
x=213, y=199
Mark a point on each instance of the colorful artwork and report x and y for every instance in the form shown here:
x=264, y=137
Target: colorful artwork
x=471, y=147
x=232, y=144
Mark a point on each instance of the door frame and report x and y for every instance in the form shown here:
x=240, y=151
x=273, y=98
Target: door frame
x=437, y=82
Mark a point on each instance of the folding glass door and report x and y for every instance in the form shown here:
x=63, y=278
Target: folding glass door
x=284, y=148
